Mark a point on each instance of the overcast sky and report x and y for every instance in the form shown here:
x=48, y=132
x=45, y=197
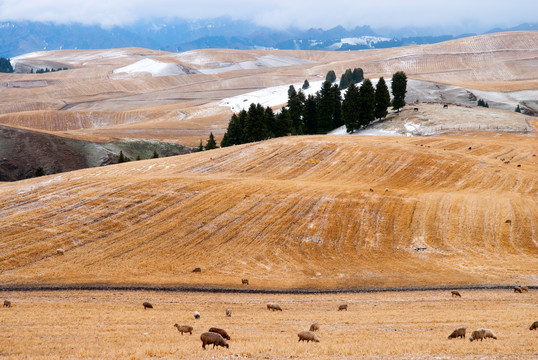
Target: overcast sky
x=474, y=15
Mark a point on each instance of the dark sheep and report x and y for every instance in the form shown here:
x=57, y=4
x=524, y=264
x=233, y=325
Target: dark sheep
x=458, y=333
x=222, y=332
x=534, y=326
x=455, y=293
x=342, y=307
x=314, y=327
x=524, y=288
x=7, y=303
x=517, y=289
x=209, y=338
x=147, y=305
x=197, y=270
x=445, y=106
x=244, y=281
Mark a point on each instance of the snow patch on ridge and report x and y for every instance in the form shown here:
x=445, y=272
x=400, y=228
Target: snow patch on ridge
x=154, y=67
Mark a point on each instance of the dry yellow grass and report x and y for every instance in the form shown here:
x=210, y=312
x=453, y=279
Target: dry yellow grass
x=394, y=325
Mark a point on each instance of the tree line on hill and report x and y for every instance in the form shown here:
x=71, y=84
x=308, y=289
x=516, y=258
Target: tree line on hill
x=5, y=65
x=319, y=113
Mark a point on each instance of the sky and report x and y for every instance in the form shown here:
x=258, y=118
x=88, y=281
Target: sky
x=467, y=15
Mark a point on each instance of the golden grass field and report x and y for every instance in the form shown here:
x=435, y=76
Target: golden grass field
x=392, y=325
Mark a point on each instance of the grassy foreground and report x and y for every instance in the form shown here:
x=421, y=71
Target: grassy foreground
x=394, y=325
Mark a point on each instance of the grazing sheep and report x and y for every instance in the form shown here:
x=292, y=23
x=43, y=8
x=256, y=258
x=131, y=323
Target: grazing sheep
x=386, y=189
x=460, y=332
x=445, y=106
x=60, y=251
x=197, y=270
x=455, y=293
x=222, y=332
x=209, y=338
x=244, y=281
x=184, y=328
x=508, y=221
x=307, y=336
x=482, y=334
x=314, y=327
x=228, y=312
x=517, y=289
x=7, y=303
x=534, y=326
x=196, y=315
x=415, y=109
x=147, y=305
x=274, y=307
x=342, y=307
x=371, y=190
x=524, y=288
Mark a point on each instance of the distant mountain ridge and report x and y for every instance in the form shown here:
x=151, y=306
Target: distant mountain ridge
x=17, y=38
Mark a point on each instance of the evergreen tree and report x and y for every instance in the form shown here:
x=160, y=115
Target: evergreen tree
x=306, y=85
x=382, y=99
x=350, y=108
x=310, y=115
x=358, y=75
x=201, y=146
x=138, y=158
x=337, y=106
x=39, y=172
x=325, y=108
x=211, y=143
x=482, y=103
x=295, y=107
x=366, y=103
x=270, y=122
x=518, y=109
x=399, y=88
x=121, y=158
x=155, y=155
x=291, y=90
x=346, y=79
x=283, y=124
x=234, y=133
x=255, y=127
x=331, y=77
x=5, y=65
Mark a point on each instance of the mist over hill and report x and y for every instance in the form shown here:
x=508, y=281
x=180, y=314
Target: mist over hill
x=178, y=35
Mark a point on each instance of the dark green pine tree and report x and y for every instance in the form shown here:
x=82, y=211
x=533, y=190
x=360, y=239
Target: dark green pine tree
x=122, y=158
x=382, y=99
x=39, y=172
x=295, y=107
x=5, y=65
x=518, y=109
x=154, y=156
x=337, y=106
x=283, y=123
x=358, y=75
x=399, y=88
x=306, y=85
x=234, y=133
x=325, y=110
x=291, y=90
x=346, y=79
x=310, y=115
x=350, y=108
x=331, y=76
x=270, y=122
x=255, y=127
x=366, y=103
x=201, y=146
x=211, y=143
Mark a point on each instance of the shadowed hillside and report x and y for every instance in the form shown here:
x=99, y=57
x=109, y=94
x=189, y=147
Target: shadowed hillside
x=295, y=212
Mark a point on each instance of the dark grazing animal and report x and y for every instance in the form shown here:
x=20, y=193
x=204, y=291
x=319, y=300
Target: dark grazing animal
x=244, y=281
x=147, y=305
x=534, y=326
x=209, y=338
x=222, y=332
x=342, y=307
x=455, y=293
x=460, y=332
x=197, y=270
x=7, y=303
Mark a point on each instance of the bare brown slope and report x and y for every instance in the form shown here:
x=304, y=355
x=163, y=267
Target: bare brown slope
x=290, y=212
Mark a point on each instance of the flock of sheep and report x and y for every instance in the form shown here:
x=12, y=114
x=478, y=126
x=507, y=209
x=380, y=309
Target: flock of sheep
x=217, y=337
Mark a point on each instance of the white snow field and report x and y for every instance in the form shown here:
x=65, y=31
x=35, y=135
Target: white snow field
x=154, y=67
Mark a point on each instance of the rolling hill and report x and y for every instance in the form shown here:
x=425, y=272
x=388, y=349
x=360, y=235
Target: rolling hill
x=323, y=212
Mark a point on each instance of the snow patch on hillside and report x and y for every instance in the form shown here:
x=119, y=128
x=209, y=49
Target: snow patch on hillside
x=154, y=67
x=272, y=96
x=363, y=40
